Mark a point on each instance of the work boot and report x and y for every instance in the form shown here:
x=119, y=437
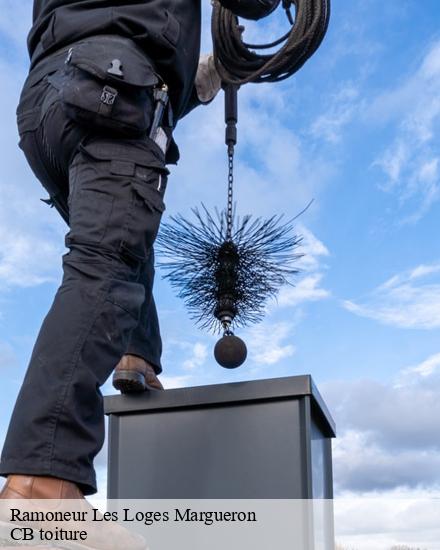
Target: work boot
x=39, y=487
x=134, y=374
x=47, y=495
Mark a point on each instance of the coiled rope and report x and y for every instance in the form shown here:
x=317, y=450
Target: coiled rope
x=238, y=63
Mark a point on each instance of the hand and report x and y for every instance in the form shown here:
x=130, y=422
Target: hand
x=208, y=81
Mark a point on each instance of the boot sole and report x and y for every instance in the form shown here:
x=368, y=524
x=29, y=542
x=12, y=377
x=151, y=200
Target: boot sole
x=127, y=381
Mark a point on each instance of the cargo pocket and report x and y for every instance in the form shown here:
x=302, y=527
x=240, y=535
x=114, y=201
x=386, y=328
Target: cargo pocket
x=134, y=174
x=90, y=201
x=148, y=184
x=90, y=213
x=108, y=83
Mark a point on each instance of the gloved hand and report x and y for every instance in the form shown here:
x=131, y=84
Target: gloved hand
x=208, y=81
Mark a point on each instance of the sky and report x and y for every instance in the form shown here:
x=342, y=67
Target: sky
x=357, y=130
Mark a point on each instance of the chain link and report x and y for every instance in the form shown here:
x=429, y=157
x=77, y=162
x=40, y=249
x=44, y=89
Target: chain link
x=230, y=193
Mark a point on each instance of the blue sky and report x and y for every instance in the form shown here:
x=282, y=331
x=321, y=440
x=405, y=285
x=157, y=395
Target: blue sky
x=357, y=130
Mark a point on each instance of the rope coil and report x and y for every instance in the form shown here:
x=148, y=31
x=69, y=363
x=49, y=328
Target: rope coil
x=238, y=63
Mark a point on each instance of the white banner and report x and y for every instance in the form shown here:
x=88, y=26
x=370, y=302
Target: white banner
x=345, y=524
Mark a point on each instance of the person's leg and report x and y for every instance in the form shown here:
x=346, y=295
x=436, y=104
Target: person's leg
x=137, y=370
x=48, y=147
x=145, y=340
x=115, y=203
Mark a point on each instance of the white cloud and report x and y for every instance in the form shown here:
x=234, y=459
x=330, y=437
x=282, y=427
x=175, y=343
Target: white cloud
x=422, y=270
x=198, y=357
x=312, y=248
x=16, y=21
x=31, y=235
x=407, y=300
x=411, y=161
x=26, y=259
x=307, y=287
x=275, y=172
x=306, y=290
x=340, y=111
x=362, y=465
x=267, y=344
x=8, y=358
x=388, y=431
x=169, y=382
x=385, y=521
x=426, y=368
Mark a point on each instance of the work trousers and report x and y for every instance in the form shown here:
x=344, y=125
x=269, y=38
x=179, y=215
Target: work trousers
x=110, y=190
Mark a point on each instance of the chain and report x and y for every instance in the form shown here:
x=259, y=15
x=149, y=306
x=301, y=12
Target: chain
x=230, y=192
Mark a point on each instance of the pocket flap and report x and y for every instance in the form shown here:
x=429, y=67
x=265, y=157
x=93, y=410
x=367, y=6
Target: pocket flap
x=125, y=153
x=114, y=59
x=172, y=29
x=152, y=197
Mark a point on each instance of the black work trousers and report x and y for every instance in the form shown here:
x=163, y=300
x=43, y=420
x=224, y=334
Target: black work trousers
x=111, y=192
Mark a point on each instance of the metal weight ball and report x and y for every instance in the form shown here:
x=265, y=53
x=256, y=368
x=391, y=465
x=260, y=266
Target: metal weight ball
x=230, y=351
